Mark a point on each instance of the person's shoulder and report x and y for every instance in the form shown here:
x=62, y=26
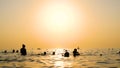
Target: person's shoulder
x=21, y=49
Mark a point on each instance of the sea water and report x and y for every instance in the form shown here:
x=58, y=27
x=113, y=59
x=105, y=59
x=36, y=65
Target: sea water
x=88, y=59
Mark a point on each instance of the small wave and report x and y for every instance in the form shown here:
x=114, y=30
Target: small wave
x=103, y=62
x=31, y=60
x=93, y=67
x=40, y=61
x=113, y=67
x=117, y=59
x=47, y=67
x=13, y=67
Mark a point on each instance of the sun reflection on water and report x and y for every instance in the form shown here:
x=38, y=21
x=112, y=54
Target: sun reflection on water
x=62, y=64
x=59, y=64
x=60, y=61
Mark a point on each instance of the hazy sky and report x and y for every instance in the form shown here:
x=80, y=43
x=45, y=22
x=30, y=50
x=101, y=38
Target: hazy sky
x=59, y=23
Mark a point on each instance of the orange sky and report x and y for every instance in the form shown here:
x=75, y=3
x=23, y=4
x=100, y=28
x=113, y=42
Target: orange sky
x=59, y=24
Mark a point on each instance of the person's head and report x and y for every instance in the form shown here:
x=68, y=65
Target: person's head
x=75, y=49
x=65, y=50
x=23, y=45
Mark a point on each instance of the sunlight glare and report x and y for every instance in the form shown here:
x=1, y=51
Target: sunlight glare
x=58, y=20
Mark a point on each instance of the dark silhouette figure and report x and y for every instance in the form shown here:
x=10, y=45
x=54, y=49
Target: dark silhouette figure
x=101, y=54
x=13, y=51
x=118, y=53
x=17, y=51
x=75, y=53
x=5, y=51
x=23, y=50
x=53, y=53
x=66, y=53
x=44, y=53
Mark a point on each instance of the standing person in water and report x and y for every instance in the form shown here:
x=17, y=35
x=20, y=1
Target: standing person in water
x=66, y=53
x=75, y=52
x=23, y=50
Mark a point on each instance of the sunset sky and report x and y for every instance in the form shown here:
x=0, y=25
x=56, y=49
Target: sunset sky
x=59, y=23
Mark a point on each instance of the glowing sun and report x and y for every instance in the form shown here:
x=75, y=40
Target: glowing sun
x=58, y=20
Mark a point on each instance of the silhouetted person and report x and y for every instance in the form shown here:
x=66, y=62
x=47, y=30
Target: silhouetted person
x=5, y=51
x=13, y=51
x=17, y=51
x=23, y=50
x=53, y=53
x=66, y=53
x=44, y=53
x=75, y=53
x=101, y=54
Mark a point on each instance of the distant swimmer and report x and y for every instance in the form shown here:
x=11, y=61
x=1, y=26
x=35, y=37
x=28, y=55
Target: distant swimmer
x=66, y=54
x=53, y=53
x=101, y=54
x=23, y=50
x=5, y=51
x=13, y=51
x=75, y=53
x=44, y=53
x=17, y=51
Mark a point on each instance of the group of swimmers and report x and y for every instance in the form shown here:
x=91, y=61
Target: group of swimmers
x=75, y=53
x=13, y=51
x=66, y=54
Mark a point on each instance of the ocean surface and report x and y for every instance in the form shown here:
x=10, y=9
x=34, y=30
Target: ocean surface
x=88, y=59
